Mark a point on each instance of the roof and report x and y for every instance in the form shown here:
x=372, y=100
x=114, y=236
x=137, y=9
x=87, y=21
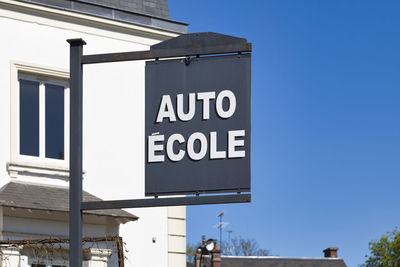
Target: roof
x=273, y=261
x=153, y=13
x=50, y=198
x=155, y=8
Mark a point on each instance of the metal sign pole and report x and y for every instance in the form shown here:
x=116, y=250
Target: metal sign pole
x=196, y=44
x=75, y=160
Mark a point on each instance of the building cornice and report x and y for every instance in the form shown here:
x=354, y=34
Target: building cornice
x=84, y=23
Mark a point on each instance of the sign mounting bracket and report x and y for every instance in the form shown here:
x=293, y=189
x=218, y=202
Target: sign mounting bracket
x=194, y=44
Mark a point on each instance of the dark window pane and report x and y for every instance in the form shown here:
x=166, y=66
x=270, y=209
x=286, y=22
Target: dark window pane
x=54, y=121
x=28, y=118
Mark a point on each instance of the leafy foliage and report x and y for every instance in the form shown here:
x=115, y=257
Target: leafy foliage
x=385, y=251
x=240, y=246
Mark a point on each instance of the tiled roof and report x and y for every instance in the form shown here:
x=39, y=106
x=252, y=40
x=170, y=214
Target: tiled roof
x=267, y=261
x=52, y=198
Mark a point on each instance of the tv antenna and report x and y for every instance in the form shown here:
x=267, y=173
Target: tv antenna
x=220, y=225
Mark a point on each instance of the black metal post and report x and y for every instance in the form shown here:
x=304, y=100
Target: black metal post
x=185, y=45
x=220, y=231
x=75, y=159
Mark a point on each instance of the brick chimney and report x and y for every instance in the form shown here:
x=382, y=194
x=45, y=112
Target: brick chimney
x=216, y=257
x=331, y=252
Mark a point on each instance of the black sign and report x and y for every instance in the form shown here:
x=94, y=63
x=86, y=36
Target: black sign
x=198, y=125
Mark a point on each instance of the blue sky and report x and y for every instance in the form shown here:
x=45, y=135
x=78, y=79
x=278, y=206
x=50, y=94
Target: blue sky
x=325, y=124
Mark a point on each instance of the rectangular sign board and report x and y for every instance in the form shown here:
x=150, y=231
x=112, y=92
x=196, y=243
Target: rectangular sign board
x=197, y=125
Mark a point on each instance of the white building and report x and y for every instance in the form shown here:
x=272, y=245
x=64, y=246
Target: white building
x=34, y=131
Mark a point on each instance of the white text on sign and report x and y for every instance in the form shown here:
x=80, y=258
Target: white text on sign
x=207, y=143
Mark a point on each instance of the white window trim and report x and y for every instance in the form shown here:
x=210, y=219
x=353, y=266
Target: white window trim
x=92, y=257
x=55, y=76
x=48, y=263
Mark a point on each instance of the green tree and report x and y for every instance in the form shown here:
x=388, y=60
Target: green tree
x=385, y=252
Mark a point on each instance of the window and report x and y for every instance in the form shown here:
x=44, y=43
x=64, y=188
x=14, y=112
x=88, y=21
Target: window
x=40, y=117
x=32, y=95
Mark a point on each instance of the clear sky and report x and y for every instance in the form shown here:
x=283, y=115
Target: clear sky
x=325, y=123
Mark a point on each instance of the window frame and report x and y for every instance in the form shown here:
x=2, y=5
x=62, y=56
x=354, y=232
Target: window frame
x=49, y=263
x=42, y=75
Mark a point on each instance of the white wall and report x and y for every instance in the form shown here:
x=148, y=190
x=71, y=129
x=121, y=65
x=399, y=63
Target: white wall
x=113, y=119
x=176, y=236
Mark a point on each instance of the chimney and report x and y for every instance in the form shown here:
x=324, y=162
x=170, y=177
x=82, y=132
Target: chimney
x=331, y=252
x=216, y=256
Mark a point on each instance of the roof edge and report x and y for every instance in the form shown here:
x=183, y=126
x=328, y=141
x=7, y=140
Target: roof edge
x=131, y=217
x=113, y=13
x=279, y=257
x=85, y=23
x=10, y=196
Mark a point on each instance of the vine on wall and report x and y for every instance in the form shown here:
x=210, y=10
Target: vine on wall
x=56, y=248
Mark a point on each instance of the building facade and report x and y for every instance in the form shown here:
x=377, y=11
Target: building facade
x=34, y=136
